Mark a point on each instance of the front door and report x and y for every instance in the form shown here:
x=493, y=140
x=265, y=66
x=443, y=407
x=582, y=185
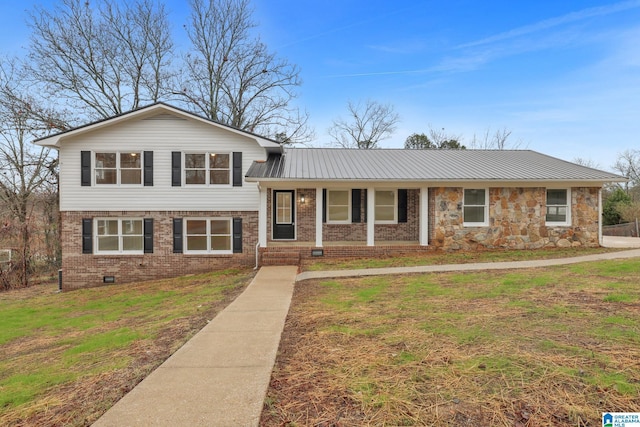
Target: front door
x=284, y=215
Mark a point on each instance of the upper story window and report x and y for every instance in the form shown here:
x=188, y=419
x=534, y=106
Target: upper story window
x=207, y=168
x=118, y=168
x=119, y=235
x=475, y=207
x=386, y=207
x=558, y=207
x=338, y=206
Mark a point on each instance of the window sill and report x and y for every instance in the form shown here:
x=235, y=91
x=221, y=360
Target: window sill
x=218, y=253
x=119, y=253
x=557, y=224
x=475, y=224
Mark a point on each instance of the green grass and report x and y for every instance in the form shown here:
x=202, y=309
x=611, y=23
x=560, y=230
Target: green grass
x=479, y=348
x=56, y=341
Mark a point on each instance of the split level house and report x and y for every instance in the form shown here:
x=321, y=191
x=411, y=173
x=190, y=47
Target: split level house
x=160, y=192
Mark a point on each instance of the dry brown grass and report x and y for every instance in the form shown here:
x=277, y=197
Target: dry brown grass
x=545, y=347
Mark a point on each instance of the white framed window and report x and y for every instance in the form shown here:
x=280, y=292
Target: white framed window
x=558, y=206
x=208, y=235
x=338, y=206
x=118, y=168
x=207, y=168
x=475, y=207
x=386, y=207
x=119, y=236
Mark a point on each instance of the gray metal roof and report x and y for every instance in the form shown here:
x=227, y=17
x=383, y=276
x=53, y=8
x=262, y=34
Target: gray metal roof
x=331, y=164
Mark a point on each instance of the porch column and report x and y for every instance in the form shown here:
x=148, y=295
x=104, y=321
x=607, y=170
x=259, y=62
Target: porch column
x=319, y=206
x=600, y=240
x=262, y=218
x=371, y=216
x=424, y=216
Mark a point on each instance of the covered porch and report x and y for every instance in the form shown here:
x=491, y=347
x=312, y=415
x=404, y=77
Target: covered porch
x=298, y=223
x=331, y=215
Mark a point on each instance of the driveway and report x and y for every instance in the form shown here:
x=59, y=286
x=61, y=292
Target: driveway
x=620, y=242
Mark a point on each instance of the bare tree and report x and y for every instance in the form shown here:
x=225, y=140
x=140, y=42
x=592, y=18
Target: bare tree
x=498, y=140
x=586, y=162
x=628, y=165
x=25, y=168
x=367, y=124
x=105, y=59
x=231, y=77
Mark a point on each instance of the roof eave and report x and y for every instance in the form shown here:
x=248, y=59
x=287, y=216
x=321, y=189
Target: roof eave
x=55, y=140
x=576, y=181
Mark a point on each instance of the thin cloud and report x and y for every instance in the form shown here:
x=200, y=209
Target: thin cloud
x=554, y=22
x=342, y=28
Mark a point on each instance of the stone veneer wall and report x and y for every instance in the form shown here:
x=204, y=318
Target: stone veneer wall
x=84, y=270
x=354, y=232
x=516, y=220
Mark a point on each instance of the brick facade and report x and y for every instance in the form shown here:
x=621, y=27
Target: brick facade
x=84, y=270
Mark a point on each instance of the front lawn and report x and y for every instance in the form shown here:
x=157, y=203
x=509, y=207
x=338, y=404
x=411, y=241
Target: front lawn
x=539, y=347
x=65, y=358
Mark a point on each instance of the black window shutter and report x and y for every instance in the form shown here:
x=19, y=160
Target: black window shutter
x=87, y=235
x=177, y=235
x=366, y=206
x=402, y=205
x=237, y=235
x=355, y=205
x=148, y=235
x=85, y=168
x=148, y=168
x=324, y=205
x=176, y=169
x=237, y=169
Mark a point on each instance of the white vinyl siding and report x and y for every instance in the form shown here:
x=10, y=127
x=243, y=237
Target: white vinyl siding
x=475, y=210
x=162, y=137
x=119, y=236
x=208, y=236
x=558, y=207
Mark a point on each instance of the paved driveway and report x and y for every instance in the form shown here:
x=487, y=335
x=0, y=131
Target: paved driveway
x=620, y=242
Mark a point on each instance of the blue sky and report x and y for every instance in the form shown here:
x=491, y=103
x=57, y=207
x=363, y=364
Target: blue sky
x=563, y=76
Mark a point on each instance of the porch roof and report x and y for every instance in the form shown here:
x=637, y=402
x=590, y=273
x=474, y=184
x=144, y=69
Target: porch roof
x=337, y=164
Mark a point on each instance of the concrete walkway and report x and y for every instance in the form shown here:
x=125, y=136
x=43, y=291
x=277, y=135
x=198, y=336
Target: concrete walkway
x=220, y=376
x=507, y=265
